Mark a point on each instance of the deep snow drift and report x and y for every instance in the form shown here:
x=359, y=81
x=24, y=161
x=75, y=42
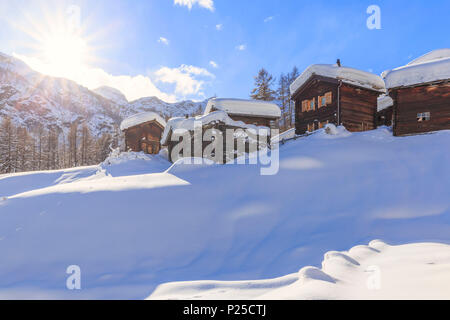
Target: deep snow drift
x=377, y=271
x=132, y=223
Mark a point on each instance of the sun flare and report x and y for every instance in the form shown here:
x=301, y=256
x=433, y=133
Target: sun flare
x=64, y=53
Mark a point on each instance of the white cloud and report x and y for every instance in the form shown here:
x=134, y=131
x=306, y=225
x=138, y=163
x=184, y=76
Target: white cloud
x=268, y=19
x=213, y=64
x=208, y=4
x=188, y=80
x=241, y=47
x=219, y=27
x=163, y=41
x=185, y=79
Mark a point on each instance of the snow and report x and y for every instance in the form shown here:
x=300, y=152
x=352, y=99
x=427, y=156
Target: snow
x=189, y=123
x=141, y=118
x=286, y=135
x=136, y=222
x=112, y=94
x=419, y=271
x=347, y=75
x=244, y=107
x=432, y=56
x=434, y=66
x=384, y=102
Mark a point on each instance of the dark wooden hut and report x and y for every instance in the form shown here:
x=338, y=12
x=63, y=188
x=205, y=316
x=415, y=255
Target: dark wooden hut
x=334, y=94
x=421, y=94
x=143, y=132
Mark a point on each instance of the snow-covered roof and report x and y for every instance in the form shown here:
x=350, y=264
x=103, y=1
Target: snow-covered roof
x=384, y=102
x=141, y=118
x=431, y=67
x=348, y=75
x=189, y=123
x=244, y=107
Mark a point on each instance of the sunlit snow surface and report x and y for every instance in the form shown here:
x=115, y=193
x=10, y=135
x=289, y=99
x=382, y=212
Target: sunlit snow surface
x=132, y=223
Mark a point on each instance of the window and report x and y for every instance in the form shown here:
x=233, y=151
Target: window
x=424, y=116
x=312, y=105
x=329, y=98
x=325, y=99
x=304, y=105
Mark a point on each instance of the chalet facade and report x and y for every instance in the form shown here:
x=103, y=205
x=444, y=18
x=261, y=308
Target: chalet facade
x=339, y=95
x=259, y=113
x=143, y=132
x=421, y=94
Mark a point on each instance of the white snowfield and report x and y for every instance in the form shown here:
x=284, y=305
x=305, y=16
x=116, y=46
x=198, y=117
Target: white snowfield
x=244, y=107
x=141, y=118
x=377, y=271
x=347, y=75
x=433, y=66
x=136, y=221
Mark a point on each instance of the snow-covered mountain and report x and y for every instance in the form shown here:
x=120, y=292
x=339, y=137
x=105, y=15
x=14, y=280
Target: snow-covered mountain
x=112, y=94
x=30, y=99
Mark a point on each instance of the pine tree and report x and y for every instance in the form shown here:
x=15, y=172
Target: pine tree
x=8, y=144
x=291, y=108
x=73, y=145
x=263, y=87
x=283, y=96
x=86, y=151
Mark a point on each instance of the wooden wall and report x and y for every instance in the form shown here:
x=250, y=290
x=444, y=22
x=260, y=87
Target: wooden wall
x=324, y=114
x=145, y=137
x=257, y=121
x=358, y=108
x=408, y=102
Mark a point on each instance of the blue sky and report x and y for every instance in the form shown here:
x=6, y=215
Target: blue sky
x=128, y=39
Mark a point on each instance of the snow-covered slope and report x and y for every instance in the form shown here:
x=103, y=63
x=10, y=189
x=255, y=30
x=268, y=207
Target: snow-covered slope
x=377, y=271
x=31, y=99
x=132, y=223
x=166, y=110
x=112, y=94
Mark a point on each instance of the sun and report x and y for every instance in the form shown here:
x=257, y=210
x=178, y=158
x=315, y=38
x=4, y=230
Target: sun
x=64, y=53
x=58, y=43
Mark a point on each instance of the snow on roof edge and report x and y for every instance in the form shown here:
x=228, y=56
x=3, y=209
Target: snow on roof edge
x=348, y=75
x=254, y=108
x=418, y=72
x=141, y=118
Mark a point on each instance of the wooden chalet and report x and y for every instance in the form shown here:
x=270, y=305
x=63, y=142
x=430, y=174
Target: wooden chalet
x=421, y=94
x=259, y=113
x=247, y=136
x=334, y=94
x=143, y=132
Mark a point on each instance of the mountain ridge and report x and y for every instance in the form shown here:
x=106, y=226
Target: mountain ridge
x=32, y=99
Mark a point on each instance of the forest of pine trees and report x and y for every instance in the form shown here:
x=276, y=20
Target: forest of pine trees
x=50, y=149
x=264, y=90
